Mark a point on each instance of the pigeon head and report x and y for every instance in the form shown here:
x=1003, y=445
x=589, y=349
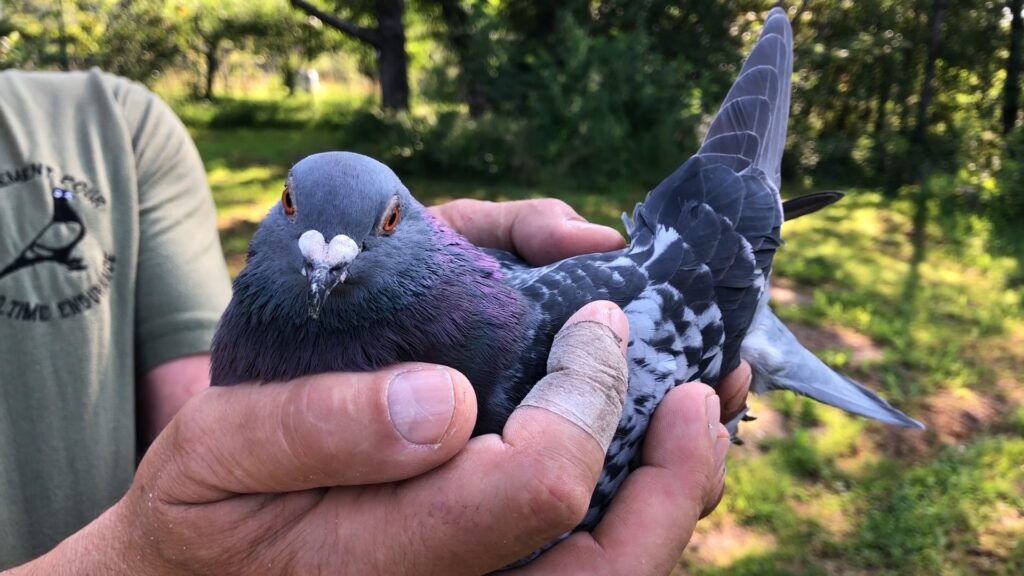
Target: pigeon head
x=350, y=272
x=345, y=223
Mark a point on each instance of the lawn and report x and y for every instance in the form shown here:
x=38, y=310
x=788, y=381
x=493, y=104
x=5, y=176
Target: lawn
x=812, y=491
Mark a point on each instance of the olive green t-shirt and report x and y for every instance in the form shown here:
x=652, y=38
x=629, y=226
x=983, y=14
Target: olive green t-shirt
x=110, y=265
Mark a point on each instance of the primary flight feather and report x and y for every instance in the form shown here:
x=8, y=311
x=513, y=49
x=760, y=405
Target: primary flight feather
x=350, y=272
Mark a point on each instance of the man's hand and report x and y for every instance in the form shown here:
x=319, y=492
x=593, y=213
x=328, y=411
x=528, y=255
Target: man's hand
x=358, y=473
x=540, y=231
x=682, y=473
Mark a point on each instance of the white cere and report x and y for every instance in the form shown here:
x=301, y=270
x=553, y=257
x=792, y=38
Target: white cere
x=340, y=251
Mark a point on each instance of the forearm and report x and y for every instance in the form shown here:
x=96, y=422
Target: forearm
x=166, y=388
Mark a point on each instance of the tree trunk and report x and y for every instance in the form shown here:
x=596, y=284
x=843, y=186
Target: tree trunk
x=884, y=91
x=880, y=124
x=288, y=77
x=65, y=62
x=938, y=17
x=1011, y=93
x=919, y=144
x=457, y=25
x=843, y=117
x=392, y=61
x=212, y=64
x=388, y=39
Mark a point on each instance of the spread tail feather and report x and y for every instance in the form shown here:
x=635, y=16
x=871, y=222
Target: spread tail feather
x=780, y=362
x=809, y=203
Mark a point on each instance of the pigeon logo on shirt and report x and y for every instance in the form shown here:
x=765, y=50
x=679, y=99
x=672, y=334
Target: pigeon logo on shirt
x=57, y=240
x=56, y=247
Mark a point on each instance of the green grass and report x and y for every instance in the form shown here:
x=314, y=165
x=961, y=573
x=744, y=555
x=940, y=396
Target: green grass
x=823, y=492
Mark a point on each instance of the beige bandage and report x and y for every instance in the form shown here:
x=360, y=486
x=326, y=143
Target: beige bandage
x=586, y=381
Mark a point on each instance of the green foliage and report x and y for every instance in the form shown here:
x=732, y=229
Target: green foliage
x=590, y=93
x=600, y=95
x=917, y=523
x=141, y=40
x=578, y=119
x=298, y=112
x=799, y=456
x=65, y=34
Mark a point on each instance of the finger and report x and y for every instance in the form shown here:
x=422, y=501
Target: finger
x=733, y=390
x=323, y=430
x=653, y=515
x=582, y=355
x=541, y=231
x=537, y=477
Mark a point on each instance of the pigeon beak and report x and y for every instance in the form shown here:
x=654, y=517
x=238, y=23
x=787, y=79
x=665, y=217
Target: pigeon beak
x=321, y=281
x=326, y=265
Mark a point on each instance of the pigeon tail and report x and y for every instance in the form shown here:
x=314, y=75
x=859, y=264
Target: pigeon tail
x=780, y=362
x=749, y=130
x=724, y=203
x=736, y=172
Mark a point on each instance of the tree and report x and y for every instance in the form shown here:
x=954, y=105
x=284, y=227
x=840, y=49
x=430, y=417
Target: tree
x=210, y=26
x=387, y=38
x=141, y=40
x=1011, y=91
x=286, y=38
x=470, y=52
x=290, y=40
x=45, y=34
x=215, y=27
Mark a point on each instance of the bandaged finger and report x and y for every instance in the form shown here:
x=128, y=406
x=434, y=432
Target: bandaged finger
x=586, y=380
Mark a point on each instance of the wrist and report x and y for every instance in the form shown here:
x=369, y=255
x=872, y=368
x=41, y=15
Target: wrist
x=100, y=547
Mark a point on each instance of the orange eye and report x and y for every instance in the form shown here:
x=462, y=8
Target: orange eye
x=286, y=201
x=392, y=220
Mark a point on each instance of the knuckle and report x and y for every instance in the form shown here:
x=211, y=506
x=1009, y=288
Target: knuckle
x=187, y=432
x=698, y=389
x=553, y=205
x=461, y=208
x=552, y=208
x=559, y=493
x=710, y=483
x=713, y=498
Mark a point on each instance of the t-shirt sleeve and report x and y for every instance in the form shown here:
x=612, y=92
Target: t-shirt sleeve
x=183, y=284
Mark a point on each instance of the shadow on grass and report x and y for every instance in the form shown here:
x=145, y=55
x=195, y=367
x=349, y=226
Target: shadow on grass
x=960, y=513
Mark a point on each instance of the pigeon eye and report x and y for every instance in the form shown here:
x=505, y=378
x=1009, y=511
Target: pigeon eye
x=392, y=219
x=286, y=201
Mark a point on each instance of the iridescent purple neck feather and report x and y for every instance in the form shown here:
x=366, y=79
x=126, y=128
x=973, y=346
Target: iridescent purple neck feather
x=419, y=293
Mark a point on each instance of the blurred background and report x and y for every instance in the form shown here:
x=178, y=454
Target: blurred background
x=913, y=284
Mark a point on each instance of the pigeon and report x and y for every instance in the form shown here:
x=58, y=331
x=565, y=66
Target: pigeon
x=56, y=240
x=350, y=272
